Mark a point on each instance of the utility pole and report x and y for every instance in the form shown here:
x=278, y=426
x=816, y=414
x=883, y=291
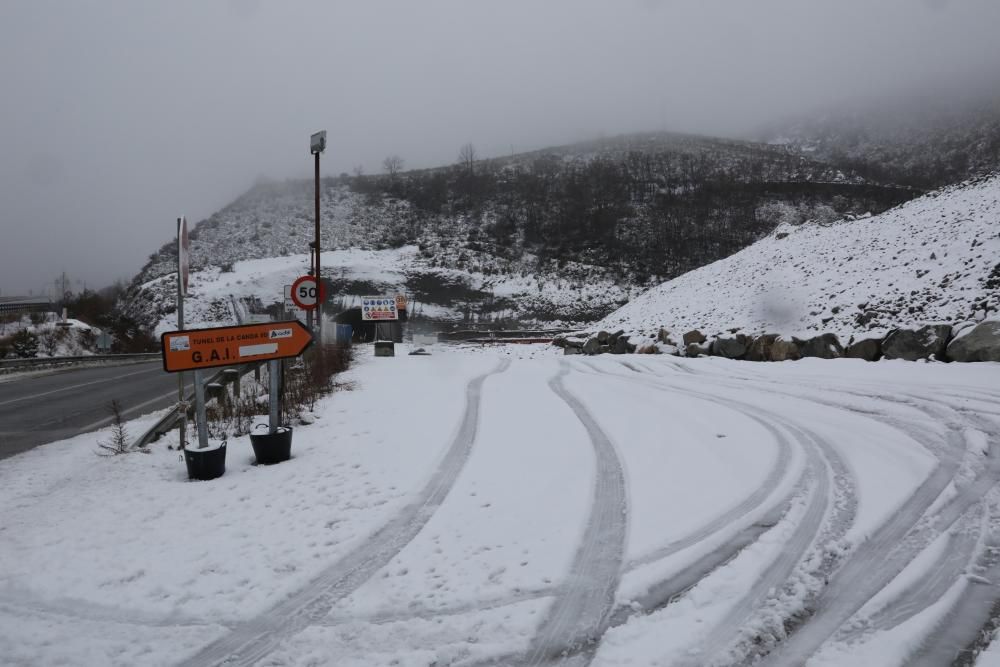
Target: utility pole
x=317, y=144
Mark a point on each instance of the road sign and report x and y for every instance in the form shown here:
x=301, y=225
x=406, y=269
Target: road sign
x=306, y=294
x=194, y=349
x=377, y=308
x=400, y=302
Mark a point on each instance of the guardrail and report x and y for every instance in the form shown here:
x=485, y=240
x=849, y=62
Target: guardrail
x=169, y=421
x=8, y=365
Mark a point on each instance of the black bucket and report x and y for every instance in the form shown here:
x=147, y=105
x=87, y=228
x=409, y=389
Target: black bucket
x=205, y=463
x=272, y=447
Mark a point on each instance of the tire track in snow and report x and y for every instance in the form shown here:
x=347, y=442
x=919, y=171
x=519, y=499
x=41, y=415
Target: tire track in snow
x=829, y=512
x=251, y=641
x=877, y=561
x=948, y=568
x=581, y=611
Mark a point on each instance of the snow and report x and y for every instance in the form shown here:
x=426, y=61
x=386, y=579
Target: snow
x=123, y=561
x=927, y=261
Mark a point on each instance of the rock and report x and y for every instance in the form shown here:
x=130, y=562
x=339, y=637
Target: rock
x=695, y=350
x=648, y=348
x=568, y=340
x=785, y=350
x=592, y=345
x=604, y=349
x=572, y=350
x=663, y=336
x=621, y=345
x=730, y=348
x=760, y=348
x=613, y=338
x=869, y=349
x=926, y=342
x=978, y=343
x=824, y=346
x=602, y=337
x=693, y=336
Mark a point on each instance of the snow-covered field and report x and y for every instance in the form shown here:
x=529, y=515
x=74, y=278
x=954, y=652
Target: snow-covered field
x=507, y=506
x=388, y=271
x=934, y=259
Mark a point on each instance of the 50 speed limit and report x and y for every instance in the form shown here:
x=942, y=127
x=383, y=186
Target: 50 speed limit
x=306, y=293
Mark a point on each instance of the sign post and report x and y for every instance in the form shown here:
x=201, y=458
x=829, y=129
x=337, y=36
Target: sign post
x=183, y=268
x=198, y=349
x=380, y=309
x=317, y=144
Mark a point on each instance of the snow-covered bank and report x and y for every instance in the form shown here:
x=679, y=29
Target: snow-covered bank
x=934, y=259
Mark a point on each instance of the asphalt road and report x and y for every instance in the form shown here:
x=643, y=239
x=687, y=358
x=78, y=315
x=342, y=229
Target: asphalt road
x=38, y=409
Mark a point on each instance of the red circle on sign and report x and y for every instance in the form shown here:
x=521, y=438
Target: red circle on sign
x=304, y=292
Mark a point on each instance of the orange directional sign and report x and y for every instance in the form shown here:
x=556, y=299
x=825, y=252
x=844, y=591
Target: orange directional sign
x=194, y=349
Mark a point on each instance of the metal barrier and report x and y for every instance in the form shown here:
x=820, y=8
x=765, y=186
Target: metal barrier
x=169, y=421
x=34, y=363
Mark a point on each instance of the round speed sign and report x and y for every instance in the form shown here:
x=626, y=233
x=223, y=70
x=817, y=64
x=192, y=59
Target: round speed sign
x=305, y=292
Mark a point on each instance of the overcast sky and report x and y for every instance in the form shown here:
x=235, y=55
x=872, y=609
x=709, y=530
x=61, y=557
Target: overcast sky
x=119, y=115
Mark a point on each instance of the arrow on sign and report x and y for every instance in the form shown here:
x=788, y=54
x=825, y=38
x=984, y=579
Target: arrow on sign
x=194, y=349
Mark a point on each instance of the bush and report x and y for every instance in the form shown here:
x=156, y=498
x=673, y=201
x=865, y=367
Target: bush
x=24, y=344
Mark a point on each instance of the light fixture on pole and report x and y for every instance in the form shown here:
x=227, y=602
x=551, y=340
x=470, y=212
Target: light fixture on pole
x=317, y=144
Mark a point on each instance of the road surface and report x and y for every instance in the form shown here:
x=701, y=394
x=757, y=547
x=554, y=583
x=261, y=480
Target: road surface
x=36, y=409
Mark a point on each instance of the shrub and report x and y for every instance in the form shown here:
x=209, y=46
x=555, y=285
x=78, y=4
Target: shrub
x=24, y=344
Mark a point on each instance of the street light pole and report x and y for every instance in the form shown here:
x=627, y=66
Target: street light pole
x=317, y=144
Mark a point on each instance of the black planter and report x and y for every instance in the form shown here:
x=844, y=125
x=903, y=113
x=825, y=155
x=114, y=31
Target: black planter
x=272, y=447
x=205, y=463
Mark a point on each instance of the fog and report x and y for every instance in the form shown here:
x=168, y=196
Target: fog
x=118, y=116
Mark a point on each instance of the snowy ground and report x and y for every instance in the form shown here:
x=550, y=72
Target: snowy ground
x=502, y=505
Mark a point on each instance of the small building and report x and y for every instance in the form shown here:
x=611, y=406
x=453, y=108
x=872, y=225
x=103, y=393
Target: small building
x=25, y=304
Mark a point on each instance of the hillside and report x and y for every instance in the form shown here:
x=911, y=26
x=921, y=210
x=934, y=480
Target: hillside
x=934, y=259
x=927, y=139
x=564, y=235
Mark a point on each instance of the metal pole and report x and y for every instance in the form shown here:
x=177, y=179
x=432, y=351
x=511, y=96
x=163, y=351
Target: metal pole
x=180, y=327
x=199, y=404
x=319, y=275
x=273, y=392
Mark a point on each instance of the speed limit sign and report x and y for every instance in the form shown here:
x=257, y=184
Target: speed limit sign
x=305, y=292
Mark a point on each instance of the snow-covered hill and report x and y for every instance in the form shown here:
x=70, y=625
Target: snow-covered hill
x=934, y=259
x=564, y=235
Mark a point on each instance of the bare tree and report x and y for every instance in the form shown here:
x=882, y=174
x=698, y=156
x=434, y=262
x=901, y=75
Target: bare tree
x=359, y=171
x=467, y=156
x=393, y=165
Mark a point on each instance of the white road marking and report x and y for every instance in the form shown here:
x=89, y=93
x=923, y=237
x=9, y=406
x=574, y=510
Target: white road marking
x=76, y=386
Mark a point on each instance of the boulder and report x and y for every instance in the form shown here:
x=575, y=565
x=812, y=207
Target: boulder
x=602, y=337
x=604, y=349
x=978, y=343
x=760, y=348
x=568, y=340
x=693, y=336
x=730, y=348
x=647, y=348
x=824, y=346
x=592, y=345
x=925, y=342
x=572, y=350
x=785, y=350
x=869, y=349
x=663, y=336
x=621, y=345
x=695, y=350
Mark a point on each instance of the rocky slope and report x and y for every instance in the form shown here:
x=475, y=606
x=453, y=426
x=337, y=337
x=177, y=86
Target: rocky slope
x=935, y=259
